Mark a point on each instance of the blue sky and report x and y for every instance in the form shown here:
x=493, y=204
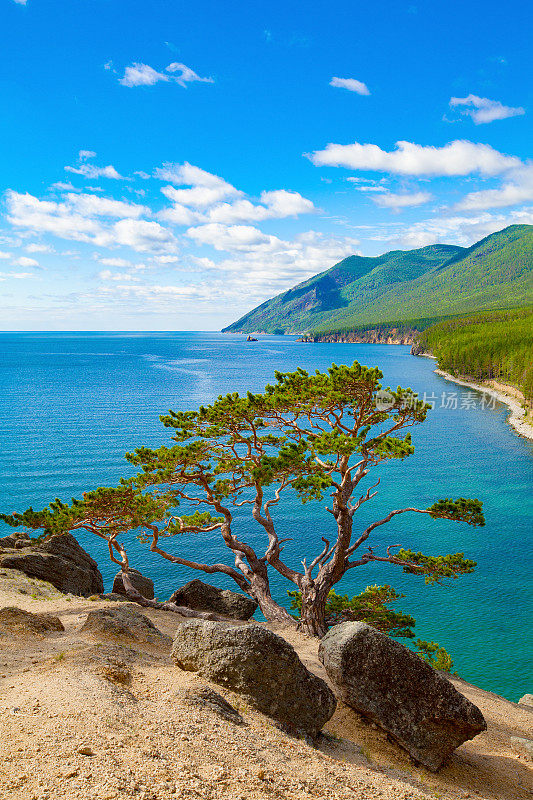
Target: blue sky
x=170, y=165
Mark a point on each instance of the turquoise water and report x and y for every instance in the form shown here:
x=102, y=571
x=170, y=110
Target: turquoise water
x=73, y=403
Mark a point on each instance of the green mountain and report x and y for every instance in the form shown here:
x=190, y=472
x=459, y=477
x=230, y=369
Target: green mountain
x=429, y=283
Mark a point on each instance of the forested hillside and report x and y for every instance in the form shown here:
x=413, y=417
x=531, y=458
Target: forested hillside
x=401, y=286
x=489, y=345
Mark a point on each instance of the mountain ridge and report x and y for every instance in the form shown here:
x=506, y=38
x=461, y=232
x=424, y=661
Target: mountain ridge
x=435, y=281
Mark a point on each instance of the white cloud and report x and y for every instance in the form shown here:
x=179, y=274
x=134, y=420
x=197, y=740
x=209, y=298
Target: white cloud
x=83, y=155
x=63, y=186
x=455, y=158
x=143, y=75
x=24, y=261
x=66, y=221
x=186, y=74
x=199, y=196
x=483, y=110
x=107, y=275
x=38, y=248
x=166, y=259
x=398, y=201
x=232, y=237
x=462, y=230
x=20, y=2
x=3, y=254
x=27, y=211
x=17, y=275
x=113, y=262
x=518, y=189
x=90, y=171
x=189, y=175
x=141, y=235
x=351, y=84
x=91, y=205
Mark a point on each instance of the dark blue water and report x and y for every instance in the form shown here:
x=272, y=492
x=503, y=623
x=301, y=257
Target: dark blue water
x=72, y=404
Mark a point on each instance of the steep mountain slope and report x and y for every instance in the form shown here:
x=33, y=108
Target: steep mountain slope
x=434, y=281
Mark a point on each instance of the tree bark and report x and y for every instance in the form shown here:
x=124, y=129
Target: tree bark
x=260, y=591
x=313, y=614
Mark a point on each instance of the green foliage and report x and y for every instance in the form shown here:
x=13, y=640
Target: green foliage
x=434, y=655
x=109, y=510
x=435, y=568
x=411, y=287
x=490, y=345
x=461, y=510
x=370, y=606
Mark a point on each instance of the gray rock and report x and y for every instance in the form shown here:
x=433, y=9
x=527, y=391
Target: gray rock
x=393, y=687
x=522, y=747
x=144, y=586
x=203, y=597
x=259, y=665
x=123, y=623
x=60, y=560
x=17, y=621
x=526, y=701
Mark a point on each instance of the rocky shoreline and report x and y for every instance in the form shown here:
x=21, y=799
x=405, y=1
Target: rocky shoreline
x=373, y=336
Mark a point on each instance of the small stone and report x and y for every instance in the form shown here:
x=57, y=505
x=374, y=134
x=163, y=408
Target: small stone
x=522, y=747
x=86, y=751
x=527, y=701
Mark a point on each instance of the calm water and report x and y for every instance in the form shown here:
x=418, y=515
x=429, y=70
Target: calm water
x=72, y=404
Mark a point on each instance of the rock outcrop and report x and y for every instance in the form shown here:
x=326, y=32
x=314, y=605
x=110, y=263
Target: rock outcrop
x=260, y=666
x=144, y=585
x=17, y=621
x=124, y=624
x=397, y=690
x=60, y=560
x=202, y=596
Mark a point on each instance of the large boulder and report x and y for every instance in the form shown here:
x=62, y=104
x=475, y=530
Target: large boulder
x=125, y=624
x=259, y=665
x=397, y=690
x=203, y=597
x=144, y=586
x=60, y=560
x=16, y=621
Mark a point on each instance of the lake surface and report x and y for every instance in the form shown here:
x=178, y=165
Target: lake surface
x=73, y=403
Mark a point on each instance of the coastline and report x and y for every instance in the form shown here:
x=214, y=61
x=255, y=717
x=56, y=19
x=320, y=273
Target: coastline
x=506, y=394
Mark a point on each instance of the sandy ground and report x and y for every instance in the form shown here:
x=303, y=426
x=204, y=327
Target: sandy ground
x=93, y=719
x=510, y=395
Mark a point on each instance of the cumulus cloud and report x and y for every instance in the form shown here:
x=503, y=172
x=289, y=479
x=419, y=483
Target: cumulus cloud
x=398, y=201
x=141, y=235
x=232, y=237
x=138, y=74
x=211, y=199
x=24, y=261
x=93, y=206
x=82, y=222
x=459, y=157
x=483, y=110
x=351, y=84
x=518, y=189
